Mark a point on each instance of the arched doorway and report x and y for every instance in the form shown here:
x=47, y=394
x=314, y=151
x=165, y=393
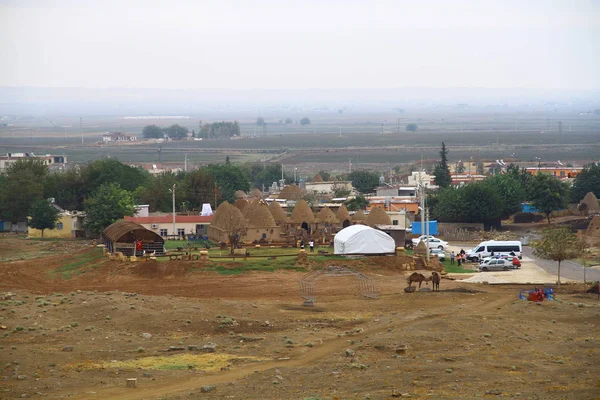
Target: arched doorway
x=346, y=223
x=305, y=226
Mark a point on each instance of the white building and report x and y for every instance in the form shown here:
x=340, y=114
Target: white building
x=327, y=187
x=112, y=137
x=184, y=224
x=52, y=161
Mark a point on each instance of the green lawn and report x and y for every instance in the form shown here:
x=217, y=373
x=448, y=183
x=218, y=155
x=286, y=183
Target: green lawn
x=455, y=269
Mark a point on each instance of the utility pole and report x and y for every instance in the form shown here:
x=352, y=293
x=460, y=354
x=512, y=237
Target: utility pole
x=349, y=165
x=173, y=192
x=81, y=128
x=560, y=131
x=185, y=163
x=427, y=231
x=340, y=131
x=398, y=125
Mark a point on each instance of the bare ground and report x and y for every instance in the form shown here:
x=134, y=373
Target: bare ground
x=81, y=337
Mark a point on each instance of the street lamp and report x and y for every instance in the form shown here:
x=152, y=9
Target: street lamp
x=295, y=180
x=539, y=161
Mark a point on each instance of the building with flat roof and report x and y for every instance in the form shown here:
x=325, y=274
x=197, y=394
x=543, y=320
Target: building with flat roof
x=52, y=161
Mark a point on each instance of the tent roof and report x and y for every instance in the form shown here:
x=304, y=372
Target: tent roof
x=362, y=239
x=117, y=230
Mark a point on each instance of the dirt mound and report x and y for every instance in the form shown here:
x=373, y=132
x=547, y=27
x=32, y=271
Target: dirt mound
x=593, y=229
x=153, y=269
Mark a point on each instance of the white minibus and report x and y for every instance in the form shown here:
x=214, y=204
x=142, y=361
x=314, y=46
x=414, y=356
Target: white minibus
x=495, y=247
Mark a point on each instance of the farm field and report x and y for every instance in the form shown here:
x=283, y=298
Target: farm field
x=80, y=326
x=370, y=140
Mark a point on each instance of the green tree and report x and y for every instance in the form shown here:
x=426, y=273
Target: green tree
x=67, y=188
x=107, y=204
x=364, y=181
x=441, y=171
x=476, y=202
x=223, y=129
x=460, y=167
x=228, y=179
x=43, y=215
x=548, y=193
x=260, y=121
x=510, y=190
x=20, y=187
x=412, y=127
x=177, y=132
x=326, y=176
x=156, y=193
x=288, y=121
x=305, y=121
x=357, y=203
x=558, y=244
x=479, y=170
x=152, y=132
x=111, y=170
x=340, y=189
x=587, y=181
x=196, y=188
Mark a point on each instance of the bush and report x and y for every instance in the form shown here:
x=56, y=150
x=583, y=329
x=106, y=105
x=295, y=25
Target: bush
x=527, y=218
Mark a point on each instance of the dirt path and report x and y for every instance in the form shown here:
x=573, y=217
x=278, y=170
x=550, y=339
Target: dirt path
x=186, y=384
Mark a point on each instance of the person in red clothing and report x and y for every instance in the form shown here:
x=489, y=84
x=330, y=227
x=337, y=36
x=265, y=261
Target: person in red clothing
x=516, y=263
x=138, y=246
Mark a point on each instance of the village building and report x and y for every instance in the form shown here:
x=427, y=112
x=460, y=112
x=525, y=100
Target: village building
x=328, y=187
x=122, y=237
x=185, y=225
x=589, y=204
x=118, y=137
x=68, y=226
x=561, y=172
x=54, y=162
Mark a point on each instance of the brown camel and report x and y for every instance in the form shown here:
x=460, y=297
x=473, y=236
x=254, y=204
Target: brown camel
x=416, y=277
x=435, y=278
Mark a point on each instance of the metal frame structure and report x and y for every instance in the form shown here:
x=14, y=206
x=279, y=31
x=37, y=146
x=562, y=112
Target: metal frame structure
x=308, y=283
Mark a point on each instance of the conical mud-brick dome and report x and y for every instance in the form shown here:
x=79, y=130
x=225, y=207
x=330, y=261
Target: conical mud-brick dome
x=342, y=213
x=250, y=208
x=327, y=216
x=317, y=178
x=256, y=193
x=378, y=216
x=220, y=211
x=229, y=217
x=591, y=202
x=261, y=217
x=302, y=213
x=593, y=228
x=278, y=214
x=240, y=194
x=291, y=192
x=359, y=216
x=241, y=203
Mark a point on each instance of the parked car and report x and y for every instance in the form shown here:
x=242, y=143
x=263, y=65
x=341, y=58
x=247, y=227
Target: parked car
x=498, y=264
x=421, y=238
x=438, y=253
x=434, y=243
x=514, y=262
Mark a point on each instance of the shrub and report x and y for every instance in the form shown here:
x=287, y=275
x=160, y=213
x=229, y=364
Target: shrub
x=526, y=218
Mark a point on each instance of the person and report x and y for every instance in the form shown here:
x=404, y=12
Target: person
x=516, y=263
x=459, y=259
x=492, y=255
x=311, y=244
x=138, y=246
x=302, y=244
x=452, y=255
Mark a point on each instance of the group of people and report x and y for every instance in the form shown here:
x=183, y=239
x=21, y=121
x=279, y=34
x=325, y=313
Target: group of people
x=311, y=245
x=461, y=257
x=537, y=295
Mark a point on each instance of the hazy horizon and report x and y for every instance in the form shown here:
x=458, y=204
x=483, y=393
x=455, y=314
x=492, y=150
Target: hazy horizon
x=300, y=45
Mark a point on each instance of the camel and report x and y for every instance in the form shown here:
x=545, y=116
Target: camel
x=416, y=277
x=435, y=278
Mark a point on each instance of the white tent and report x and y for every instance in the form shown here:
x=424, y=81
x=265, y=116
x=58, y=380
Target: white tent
x=362, y=239
x=206, y=210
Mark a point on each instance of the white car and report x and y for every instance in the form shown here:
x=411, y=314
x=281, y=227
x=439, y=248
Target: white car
x=434, y=243
x=439, y=253
x=421, y=238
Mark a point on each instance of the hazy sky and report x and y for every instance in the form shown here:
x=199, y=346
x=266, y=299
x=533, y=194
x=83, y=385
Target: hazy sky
x=300, y=43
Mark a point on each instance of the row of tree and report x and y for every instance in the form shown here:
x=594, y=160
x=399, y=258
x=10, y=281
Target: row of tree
x=173, y=132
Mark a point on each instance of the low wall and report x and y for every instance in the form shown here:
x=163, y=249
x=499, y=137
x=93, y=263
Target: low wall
x=450, y=226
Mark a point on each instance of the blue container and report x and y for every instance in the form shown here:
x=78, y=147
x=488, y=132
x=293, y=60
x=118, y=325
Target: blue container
x=433, y=228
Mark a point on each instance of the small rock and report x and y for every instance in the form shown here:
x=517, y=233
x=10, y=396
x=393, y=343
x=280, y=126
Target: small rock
x=193, y=347
x=209, y=348
x=147, y=375
x=208, y=388
x=349, y=353
x=175, y=348
x=495, y=392
x=68, y=348
x=147, y=335
x=22, y=377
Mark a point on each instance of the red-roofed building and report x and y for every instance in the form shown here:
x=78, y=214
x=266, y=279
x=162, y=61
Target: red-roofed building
x=184, y=224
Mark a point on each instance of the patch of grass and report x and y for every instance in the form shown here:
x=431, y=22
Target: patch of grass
x=79, y=264
x=455, y=269
x=249, y=265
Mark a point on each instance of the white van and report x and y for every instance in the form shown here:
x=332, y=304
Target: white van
x=495, y=247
